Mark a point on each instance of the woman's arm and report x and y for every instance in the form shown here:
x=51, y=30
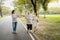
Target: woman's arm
x=20, y=16
x=37, y=19
x=23, y=15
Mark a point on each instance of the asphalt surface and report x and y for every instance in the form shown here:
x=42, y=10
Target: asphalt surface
x=6, y=30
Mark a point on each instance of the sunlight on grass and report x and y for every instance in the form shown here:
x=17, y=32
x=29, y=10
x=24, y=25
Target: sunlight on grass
x=51, y=31
x=53, y=18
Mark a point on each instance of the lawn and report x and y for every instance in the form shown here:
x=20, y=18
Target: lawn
x=0, y=16
x=49, y=28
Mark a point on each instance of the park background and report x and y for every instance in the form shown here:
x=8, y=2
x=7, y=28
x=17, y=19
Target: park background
x=47, y=10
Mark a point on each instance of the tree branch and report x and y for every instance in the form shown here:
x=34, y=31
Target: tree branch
x=32, y=2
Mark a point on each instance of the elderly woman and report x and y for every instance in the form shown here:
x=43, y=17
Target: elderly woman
x=28, y=18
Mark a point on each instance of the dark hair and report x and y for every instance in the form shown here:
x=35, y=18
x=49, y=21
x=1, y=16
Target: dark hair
x=13, y=11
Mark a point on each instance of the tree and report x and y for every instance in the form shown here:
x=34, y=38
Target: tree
x=44, y=4
x=5, y=10
x=29, y=4
x=34, y=4
x=1, y=7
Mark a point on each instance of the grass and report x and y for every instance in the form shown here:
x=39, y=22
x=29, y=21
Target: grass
x=52, y=28
x=49, y=28
x=23, y=20
x=0, y=17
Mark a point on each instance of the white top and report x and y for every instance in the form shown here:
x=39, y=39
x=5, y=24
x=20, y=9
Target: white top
x=28, y=18
x=35, y=20
x=14, y=18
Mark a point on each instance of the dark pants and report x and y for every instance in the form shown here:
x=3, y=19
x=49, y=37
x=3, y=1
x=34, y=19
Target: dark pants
x=29, y=26
x=14, y=26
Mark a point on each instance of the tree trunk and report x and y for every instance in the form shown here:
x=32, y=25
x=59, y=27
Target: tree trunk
x=35, y=10
x=1, y=13
x=34, y=6
x=44, y=15
x=1, y=9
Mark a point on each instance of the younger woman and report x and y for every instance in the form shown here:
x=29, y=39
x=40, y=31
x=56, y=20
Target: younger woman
x=35, y=22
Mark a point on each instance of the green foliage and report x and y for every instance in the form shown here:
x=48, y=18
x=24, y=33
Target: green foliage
x=1, y=3
x=5, y=10
x=44, y=4
x=27, y=4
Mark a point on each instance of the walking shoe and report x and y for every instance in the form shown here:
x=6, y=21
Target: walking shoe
x=14, y=32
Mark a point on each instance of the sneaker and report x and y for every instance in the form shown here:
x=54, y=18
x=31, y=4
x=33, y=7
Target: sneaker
x=14, y=32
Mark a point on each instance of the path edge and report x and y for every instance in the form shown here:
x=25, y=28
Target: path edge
x=32, y=35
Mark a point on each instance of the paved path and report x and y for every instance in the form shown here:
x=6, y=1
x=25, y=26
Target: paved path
x=6, y=30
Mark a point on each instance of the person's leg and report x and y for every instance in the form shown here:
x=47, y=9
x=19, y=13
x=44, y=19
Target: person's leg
x=30, y=27
x=27, y=28
x=15, y=26
x=34, y=28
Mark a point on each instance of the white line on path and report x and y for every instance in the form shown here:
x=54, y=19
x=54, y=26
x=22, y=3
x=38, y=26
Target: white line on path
x=26, y=29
